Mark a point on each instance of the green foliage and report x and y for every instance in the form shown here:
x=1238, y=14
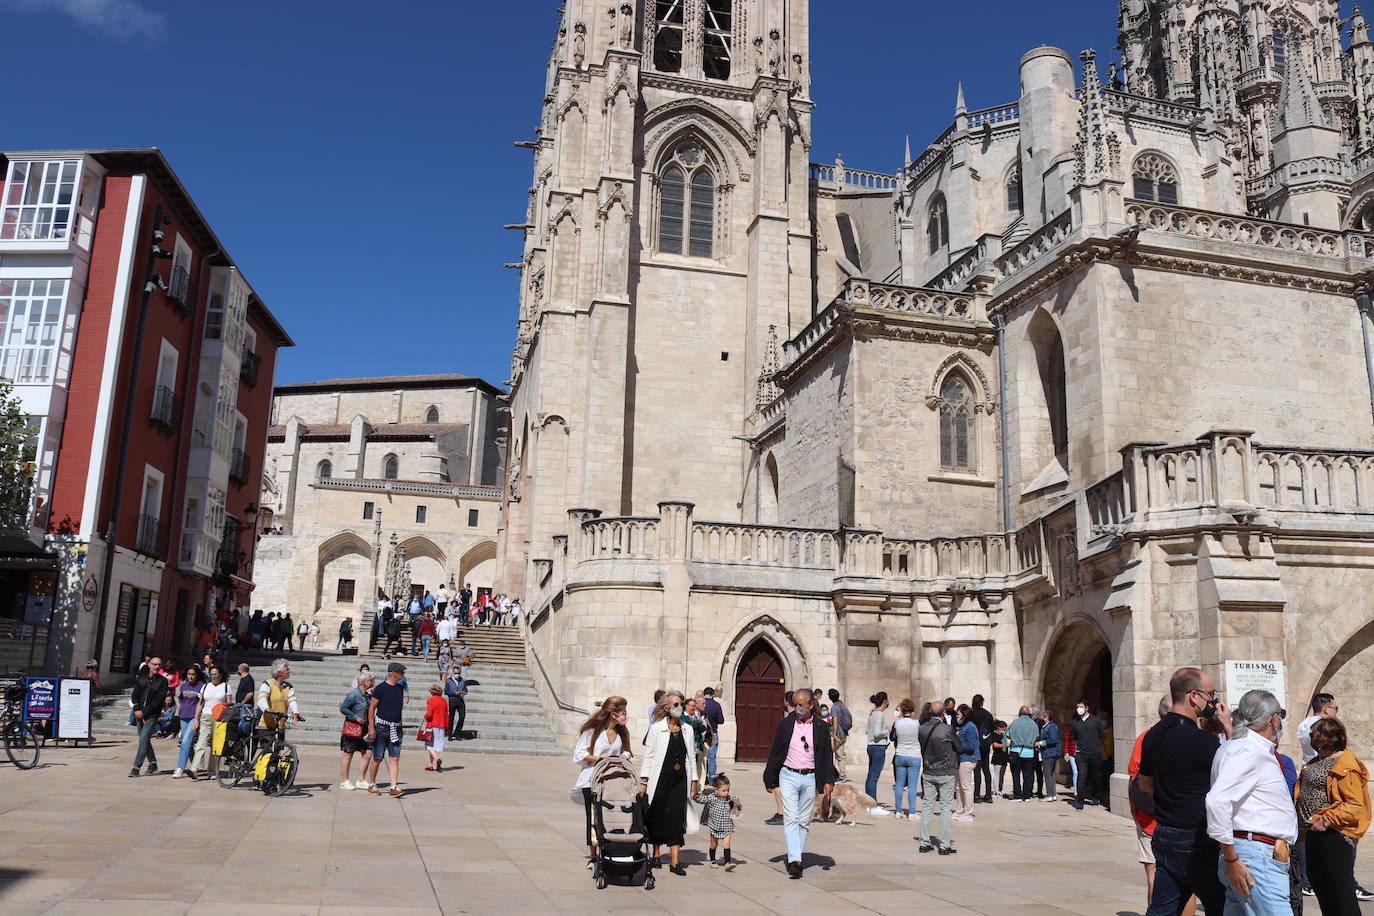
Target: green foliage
x=16, y=460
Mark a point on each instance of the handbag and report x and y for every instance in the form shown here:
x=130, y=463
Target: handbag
x=424, y=735
x=352, y=729
x=693, y=819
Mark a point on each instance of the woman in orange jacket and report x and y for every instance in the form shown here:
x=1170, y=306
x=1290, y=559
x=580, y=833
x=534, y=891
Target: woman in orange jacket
x=1332, y=795
x=436, y=720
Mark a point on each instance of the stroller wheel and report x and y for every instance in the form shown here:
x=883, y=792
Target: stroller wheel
x=601, y=882
x=649, y=883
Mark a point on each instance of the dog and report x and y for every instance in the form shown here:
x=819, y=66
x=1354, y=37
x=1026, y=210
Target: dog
x=848, y=800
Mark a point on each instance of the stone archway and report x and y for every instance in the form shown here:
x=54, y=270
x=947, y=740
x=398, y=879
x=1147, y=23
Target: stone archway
x=1077, y=667
x=1349, y=677
x=345, y=557
x=477, y=565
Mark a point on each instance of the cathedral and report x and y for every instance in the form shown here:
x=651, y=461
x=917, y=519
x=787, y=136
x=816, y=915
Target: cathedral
x=1082, y=393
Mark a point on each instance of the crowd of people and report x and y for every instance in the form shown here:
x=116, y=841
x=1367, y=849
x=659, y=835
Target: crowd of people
x=1221, y=815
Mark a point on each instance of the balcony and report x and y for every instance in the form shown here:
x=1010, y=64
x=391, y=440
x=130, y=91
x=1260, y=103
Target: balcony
x=179, y=290
x=149, y=535
x=238, y=466
x=248, y=367
x=164, y=407
x=229, y=559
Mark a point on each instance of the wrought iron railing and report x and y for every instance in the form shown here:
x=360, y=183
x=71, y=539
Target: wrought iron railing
x=149, y=535
x=238, y=465
x=164, y=407
x=179, y=289
x=248, y=367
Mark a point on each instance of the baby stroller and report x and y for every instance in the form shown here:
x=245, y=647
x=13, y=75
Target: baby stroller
x=622, y=850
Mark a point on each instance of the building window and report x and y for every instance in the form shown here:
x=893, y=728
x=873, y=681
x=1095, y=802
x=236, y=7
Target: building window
x=31, y=331
x=937, y=225
x=668, y=36
x=324, y=470
x=420, y=513
x=716, y=54
x=38, y=200
x=344, y=594
x=1015, y=202
x=687, y=198
x=1281, y=40
x=432, y=415
x=472, y=518
x=368, y=507
x=1154, y=179
x=391, y=467
x=956, y=424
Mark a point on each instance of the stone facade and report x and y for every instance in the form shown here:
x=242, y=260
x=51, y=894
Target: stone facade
x=358, y=467
x=1078, y=395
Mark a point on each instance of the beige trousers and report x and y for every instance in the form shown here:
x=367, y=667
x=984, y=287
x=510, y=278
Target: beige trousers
x=965, y=786
x=204, y=735
x=840, y=769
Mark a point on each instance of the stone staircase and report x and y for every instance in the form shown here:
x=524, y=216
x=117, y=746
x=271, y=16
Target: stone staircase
x=502, y=706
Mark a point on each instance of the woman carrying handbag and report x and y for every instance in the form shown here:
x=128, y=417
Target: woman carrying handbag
x=435, y=727
x=668, y=777
x=353, y=739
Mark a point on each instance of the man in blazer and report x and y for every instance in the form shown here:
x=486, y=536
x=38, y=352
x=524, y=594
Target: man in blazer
x=801, y=765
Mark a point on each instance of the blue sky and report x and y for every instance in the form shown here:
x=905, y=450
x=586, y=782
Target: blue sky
x=356, y=157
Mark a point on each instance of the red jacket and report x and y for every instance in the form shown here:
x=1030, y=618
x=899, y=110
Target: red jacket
x=436, y=713
x=428, y=627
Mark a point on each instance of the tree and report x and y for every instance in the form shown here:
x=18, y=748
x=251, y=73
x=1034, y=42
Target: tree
x=16, y=460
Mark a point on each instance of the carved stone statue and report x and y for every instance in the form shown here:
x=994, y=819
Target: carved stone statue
x=579, y=44
x=775, y=52
x=514, y=480
x=627, y=26
x=758, y=53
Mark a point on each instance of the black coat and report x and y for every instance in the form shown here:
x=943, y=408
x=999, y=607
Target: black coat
x=150, y=692
x=825, y=754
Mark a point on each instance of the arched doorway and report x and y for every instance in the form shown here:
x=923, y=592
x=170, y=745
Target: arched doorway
x=1078, y=667
x=1349, y=677
x=759, y=685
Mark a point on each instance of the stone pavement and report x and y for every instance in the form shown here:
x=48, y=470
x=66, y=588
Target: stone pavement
x=499, y=836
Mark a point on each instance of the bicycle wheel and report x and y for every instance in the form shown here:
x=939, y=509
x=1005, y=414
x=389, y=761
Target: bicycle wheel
x=287, y=765
x=21, y=746
x=231, y=769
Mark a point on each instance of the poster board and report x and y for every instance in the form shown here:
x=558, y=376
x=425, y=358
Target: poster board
x=1245, y=675
x=74, y=707
x=123, y=629
x=40, y=703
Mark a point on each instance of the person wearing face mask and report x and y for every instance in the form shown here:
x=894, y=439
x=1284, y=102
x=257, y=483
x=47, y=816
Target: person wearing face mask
x=1088, y=735
x=801, y=765
x=601, y=736
x=1176, y=770
x=668, y=777
x=1250, y=812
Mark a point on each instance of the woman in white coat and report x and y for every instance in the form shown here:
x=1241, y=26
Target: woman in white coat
x=668, y=777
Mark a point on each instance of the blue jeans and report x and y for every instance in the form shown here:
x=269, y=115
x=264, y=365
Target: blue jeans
x=188, y=742
x=711, y=758
x=146, y=728
x=1185, y=864
x=907, y=772
x=876, y=754
x=424, y=646
x=798, y=804
x=1269, y=896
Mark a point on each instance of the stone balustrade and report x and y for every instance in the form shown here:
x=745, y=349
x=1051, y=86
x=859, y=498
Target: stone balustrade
x=412, y=487
x=998, y=114
x=1243, y=230
x=1313, y=167
x=762, y=545
x=620, y=538
x=911, y=300
x=1038, y=243
x=840, y=177
x=1139, y=106
x=957, y=275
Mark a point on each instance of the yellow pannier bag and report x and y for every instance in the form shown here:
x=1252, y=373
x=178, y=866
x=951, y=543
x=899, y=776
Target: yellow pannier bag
x=221, y=737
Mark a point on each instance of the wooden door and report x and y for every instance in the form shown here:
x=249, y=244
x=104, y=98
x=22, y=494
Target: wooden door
x=759, y=686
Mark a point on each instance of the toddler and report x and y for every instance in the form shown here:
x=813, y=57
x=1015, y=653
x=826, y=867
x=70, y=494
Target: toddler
x=719, y=813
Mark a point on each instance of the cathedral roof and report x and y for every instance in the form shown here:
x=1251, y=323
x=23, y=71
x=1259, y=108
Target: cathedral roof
x=388, y=383
x=398, y=431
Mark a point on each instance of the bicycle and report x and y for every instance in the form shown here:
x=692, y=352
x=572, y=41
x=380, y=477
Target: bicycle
x=243, y=757
x=21, y=741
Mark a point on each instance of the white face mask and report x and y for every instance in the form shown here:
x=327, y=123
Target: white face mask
x=1082, y=710
x=675, y=712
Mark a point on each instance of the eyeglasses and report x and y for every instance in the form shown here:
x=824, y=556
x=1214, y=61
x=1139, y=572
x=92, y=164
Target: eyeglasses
x=805, y=745
x=1209, y=694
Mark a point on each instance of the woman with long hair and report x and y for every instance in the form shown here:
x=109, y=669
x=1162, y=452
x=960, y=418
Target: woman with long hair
x=1333, y=813
x=668, y=777
x=877, y=745
x=602, y=735
x=906, y=759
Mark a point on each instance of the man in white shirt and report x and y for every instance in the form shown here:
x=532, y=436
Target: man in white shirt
x=1323, y=707
x=448, y=628
x=1250, y=811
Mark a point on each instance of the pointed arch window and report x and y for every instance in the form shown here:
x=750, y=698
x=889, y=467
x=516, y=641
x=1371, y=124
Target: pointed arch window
x=391, y=467
x=668, y=18
x=1015, y=202
x=1154, y=179
x=432, y=415
x=324, y=470
x=716, y=41
x=1282, y=40
x=686, y=207
x=937, y=225
x=956, y=424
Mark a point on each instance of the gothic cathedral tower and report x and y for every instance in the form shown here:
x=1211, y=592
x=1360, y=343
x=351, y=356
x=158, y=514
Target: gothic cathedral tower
x=668, y=231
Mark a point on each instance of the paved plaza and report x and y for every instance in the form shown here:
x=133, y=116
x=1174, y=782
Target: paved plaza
x=499, y=835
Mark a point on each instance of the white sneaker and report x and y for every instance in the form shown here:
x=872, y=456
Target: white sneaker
x=346, y=786
x=178, y=773
x=1051, y=799
x=362, y=784
x=879, y=811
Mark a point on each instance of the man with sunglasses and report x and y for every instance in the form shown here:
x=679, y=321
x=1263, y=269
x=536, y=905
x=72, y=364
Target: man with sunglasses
x=801, y=765
x=1176, y=770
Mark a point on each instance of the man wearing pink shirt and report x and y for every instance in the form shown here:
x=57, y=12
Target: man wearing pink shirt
x=801, y=765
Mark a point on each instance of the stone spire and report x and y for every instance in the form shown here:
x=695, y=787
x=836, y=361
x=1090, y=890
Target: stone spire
x=1097, y=151
x=1359, y=28
x=960, y=110
x=1298, y=103
x=768, y=390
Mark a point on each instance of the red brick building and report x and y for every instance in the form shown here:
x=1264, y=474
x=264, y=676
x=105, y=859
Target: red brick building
x=145, y=359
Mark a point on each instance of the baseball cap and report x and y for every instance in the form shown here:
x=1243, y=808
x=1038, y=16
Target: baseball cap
x=395, y=666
